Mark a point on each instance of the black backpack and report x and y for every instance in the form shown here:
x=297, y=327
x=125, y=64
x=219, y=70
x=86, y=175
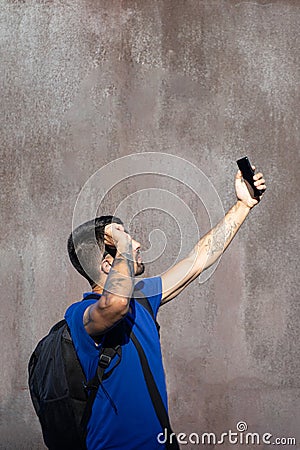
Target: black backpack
x=61, y=395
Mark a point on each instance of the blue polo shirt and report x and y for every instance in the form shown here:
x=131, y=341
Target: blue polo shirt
x=123, y=416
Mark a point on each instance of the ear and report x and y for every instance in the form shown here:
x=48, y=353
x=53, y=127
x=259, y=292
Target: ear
x=105, y=267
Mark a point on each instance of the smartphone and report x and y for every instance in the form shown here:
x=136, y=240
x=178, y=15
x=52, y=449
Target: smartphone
x=247, y=172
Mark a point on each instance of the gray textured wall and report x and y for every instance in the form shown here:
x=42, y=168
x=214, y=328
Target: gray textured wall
x=85, y=82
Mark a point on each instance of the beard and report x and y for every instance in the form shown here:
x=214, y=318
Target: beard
x=139, y=265
x=139, y=268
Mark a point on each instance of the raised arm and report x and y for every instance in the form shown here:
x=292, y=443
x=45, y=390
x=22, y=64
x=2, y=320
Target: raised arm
x=213, y=244
x=113, y=304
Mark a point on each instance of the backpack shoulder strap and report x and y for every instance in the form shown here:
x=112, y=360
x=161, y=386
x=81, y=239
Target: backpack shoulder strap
x=110, y=348
x=73, y=368
x=106, y=356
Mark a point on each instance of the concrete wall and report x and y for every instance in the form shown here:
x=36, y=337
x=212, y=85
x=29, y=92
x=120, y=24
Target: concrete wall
x=86, y=82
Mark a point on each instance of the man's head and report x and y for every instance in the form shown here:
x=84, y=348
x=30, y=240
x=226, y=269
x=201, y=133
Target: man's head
x=90, y=256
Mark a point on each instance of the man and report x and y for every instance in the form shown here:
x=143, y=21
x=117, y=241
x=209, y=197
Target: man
x=123, y=417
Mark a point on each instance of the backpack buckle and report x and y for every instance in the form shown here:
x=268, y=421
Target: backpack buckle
x=89, y=386
x=104, y=360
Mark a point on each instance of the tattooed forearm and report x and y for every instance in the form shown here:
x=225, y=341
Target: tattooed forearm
x=220, y=236
x=214, y=243
x=124, y=262
x=120, y=280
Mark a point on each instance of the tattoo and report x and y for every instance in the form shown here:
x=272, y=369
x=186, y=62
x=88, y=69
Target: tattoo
x=120, y=280
x=221, y=235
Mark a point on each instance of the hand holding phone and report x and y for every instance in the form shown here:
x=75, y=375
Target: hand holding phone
x=248, y=173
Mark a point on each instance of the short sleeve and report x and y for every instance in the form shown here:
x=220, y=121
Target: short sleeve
x=152, y=289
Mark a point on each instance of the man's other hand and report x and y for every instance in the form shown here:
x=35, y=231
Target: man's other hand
x=114, y=234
